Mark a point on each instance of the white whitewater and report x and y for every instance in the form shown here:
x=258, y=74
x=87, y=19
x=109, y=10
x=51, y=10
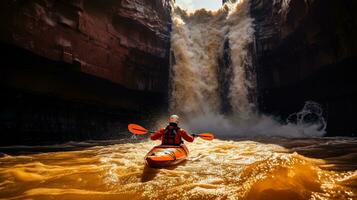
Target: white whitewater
x=197, y=42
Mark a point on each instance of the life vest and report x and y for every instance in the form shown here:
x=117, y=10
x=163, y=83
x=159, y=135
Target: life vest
x=171, y=137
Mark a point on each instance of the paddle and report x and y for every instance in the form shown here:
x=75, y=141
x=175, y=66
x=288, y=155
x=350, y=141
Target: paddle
x=139, y=130
x=205, y=136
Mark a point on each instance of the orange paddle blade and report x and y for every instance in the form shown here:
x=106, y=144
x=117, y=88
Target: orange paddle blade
x=206, y=136
x=137, y=129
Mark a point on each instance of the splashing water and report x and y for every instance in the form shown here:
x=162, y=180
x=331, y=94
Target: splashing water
x=198, y=42
x=263, y=168
x=242, y=169
x=134, y=137
x=312, y=113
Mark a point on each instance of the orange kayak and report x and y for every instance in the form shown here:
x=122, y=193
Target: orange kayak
x=166, y=155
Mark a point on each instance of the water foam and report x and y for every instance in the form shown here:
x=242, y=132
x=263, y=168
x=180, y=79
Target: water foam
x=198, y=42
x=219, y=169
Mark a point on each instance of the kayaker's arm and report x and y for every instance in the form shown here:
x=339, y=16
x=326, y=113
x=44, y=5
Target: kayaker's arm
x=186, y=136
x=158, y=134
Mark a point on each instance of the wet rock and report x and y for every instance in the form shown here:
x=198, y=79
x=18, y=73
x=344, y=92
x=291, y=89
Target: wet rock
x=307, y=50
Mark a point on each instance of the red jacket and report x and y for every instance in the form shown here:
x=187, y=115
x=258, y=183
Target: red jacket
x=172, y=135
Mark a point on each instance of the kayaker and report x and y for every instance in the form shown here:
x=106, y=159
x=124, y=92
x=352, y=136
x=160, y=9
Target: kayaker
x=172, y=134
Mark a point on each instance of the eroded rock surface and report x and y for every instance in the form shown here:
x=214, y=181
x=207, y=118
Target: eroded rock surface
x=81, y=69
x=124, y=41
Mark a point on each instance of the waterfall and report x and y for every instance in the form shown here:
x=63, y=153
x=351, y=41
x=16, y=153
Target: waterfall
x=198, y=41
x=212, y=75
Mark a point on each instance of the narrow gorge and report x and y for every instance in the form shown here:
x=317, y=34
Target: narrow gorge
x=264, y=90
x=82, y=70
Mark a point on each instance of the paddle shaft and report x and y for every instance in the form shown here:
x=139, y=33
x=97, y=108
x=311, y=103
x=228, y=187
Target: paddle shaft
x=139, y=130
x=193, y=135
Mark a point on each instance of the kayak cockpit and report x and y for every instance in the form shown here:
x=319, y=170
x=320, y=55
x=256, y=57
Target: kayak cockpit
x=166, y=155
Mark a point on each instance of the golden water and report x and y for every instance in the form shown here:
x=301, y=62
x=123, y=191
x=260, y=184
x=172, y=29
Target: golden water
x=221, y=169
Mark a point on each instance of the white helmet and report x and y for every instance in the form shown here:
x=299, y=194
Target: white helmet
x=174, y=119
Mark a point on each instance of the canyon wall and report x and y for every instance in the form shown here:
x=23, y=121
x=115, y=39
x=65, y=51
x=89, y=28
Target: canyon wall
x=307, y=50
x=81, y=69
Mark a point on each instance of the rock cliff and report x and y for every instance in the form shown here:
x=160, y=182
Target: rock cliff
x=123, y=41
x=80, y=69
x=307, y=50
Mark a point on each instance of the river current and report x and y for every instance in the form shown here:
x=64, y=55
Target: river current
x=265, y=165
x=275, y=168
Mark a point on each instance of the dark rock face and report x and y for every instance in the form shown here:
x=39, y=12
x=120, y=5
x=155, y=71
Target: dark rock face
x=307, y=50
x=80, y=69
x=123, y=41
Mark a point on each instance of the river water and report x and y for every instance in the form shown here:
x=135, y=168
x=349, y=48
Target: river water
x=274, y=168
